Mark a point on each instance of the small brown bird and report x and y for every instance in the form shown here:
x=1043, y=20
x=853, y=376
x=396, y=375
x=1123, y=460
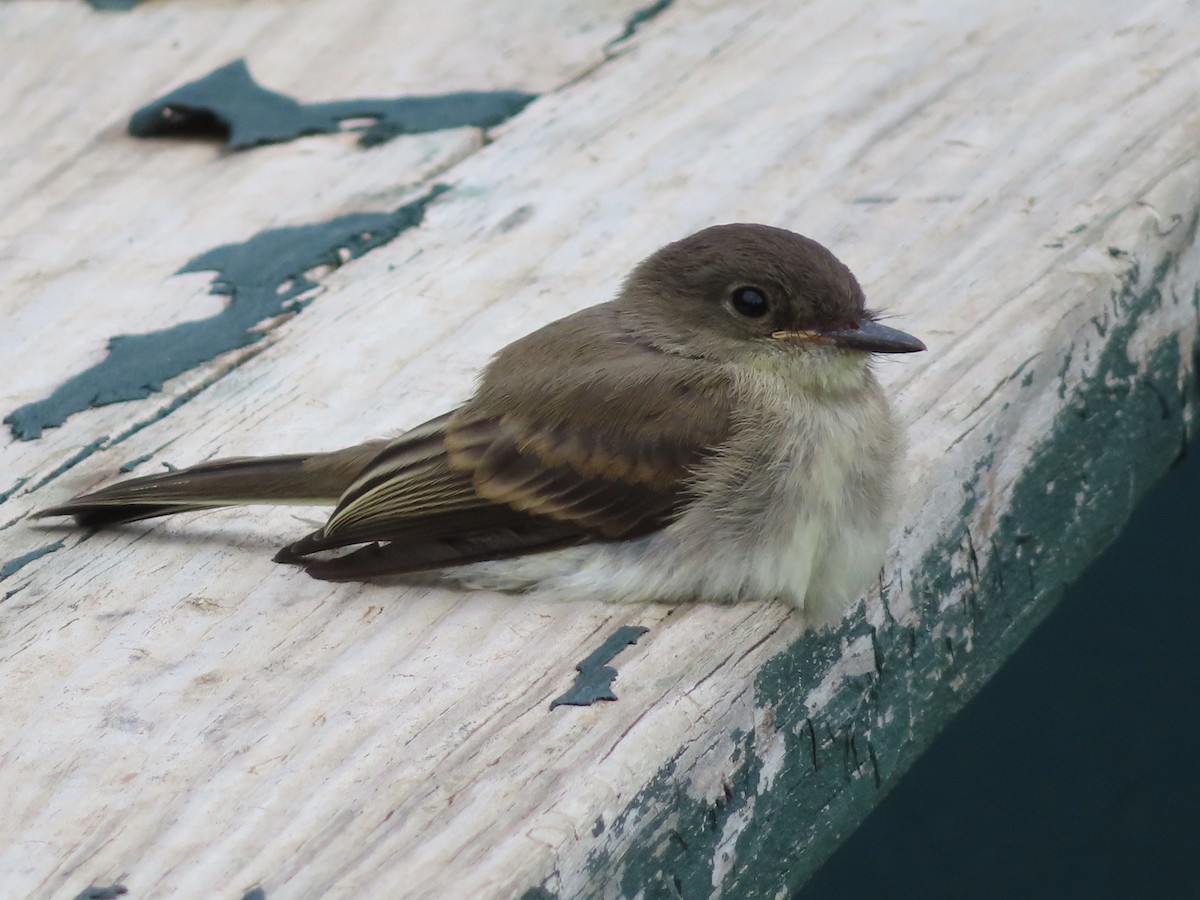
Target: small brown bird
x=713, y=433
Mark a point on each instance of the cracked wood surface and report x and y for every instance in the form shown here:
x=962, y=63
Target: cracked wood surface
x=1018, y=186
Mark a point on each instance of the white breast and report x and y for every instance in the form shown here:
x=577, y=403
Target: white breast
x=807, y=520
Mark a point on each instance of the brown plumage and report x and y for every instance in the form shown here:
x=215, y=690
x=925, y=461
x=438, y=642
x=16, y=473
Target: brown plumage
x=316, y=478
x=591, y=429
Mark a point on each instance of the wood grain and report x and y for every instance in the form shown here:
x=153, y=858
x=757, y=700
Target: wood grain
x=1017, y=185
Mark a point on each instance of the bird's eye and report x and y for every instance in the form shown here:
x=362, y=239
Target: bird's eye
x=749, y=302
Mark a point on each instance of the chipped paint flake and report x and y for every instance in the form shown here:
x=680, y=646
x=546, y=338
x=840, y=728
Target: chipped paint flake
x=726, y=850
x=857, y=658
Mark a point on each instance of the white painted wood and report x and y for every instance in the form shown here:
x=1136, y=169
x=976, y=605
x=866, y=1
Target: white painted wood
x=183, y=716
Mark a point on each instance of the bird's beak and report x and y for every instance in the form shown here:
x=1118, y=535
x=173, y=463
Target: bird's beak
x=868, y=336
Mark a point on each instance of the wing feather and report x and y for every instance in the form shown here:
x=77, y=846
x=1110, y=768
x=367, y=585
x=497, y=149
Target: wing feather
x=599, y=447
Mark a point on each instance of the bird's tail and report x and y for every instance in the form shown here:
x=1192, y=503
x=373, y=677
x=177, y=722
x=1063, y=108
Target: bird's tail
x=303, y=479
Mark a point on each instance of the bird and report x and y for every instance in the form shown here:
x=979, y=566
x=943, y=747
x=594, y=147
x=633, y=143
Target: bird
x=715, y=432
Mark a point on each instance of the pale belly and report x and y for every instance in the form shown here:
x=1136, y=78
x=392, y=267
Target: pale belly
x=805, y=521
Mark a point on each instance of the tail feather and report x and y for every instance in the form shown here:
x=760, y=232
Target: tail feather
x=304, y=479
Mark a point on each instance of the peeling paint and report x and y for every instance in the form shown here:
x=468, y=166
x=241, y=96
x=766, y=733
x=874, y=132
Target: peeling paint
x=726, y=849
x=857, y=658
x=229, y=104
x=17, y=563
x=595, y=679
x=772, y=749
x=16, y=486
x=94, y=892
x=72, y=461
x=263, y=277
x=639, y=18
x=128, y=467
x=708, y=780
x=882, y=694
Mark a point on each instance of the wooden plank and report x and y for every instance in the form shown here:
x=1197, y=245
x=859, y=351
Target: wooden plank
x=1017, y=185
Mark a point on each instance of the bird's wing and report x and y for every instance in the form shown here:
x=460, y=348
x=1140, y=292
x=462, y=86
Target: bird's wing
x=604, y=455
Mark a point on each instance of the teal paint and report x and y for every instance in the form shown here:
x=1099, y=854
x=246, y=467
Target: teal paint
x=1121, y=429
x=164, y=411
x=128, y=467
x=72, y=461
x=230, y=105
x=16, y=486
x=17, y=563
x=263, y=277
x=595, y=679
x=94, y=892
x=1056, y=766
x=639, y=18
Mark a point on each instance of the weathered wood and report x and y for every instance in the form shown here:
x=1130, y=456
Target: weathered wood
x=181, y=715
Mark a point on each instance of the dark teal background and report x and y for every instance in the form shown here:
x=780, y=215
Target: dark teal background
x=1075, y=773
